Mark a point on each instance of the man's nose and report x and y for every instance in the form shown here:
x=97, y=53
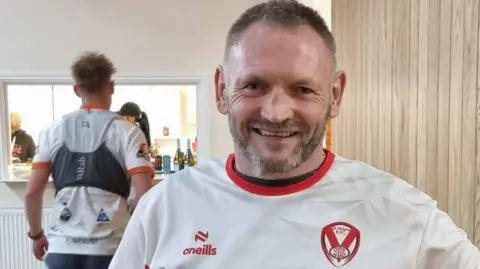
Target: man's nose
x=277, y=106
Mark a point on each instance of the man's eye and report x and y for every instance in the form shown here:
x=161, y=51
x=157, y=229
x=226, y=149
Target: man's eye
x=304, y=90
x=252, y=87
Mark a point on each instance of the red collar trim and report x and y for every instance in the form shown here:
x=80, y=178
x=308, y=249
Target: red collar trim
x=94, y=106
x=277, y=191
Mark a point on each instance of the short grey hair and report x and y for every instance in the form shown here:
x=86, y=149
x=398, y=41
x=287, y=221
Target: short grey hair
x=282, y=13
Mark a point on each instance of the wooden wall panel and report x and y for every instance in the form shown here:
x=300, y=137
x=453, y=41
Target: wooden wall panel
x=412, y=120
x=455, y=115
x=412, y=103
x=443, y=100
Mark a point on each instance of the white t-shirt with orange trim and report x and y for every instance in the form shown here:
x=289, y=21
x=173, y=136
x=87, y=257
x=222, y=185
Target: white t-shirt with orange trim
x=90, y=220
x=347, y=215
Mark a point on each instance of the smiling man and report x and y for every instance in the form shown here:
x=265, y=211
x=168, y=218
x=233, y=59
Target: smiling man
x=281, y=200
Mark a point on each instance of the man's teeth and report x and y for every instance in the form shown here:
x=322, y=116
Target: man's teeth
x=276, y=134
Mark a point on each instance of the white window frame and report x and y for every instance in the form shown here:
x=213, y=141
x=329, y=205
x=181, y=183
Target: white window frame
x=204, y=100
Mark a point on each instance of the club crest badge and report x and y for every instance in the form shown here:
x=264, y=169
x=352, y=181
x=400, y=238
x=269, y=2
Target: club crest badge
x=340, y=242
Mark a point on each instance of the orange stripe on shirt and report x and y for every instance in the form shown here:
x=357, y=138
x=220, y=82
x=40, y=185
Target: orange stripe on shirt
x=140, y=169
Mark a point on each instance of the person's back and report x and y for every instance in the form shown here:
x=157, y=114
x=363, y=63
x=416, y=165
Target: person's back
x=91, y=183
x=92, y=155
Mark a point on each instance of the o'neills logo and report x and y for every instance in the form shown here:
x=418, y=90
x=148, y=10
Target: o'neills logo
x=204, y=250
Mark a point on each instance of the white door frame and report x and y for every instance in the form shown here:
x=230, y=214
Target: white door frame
x=204, y=95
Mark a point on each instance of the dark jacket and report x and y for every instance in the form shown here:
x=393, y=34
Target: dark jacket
x=24, y=147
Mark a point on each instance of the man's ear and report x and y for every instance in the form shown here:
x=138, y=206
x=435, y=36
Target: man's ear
x=76, y=89
x=220, y=98
x=338, y=88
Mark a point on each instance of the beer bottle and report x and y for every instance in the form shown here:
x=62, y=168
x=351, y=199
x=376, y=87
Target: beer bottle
x=189, y=158
x=179, y=159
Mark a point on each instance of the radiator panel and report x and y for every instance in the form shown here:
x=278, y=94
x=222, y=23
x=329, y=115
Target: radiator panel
x=15, y=246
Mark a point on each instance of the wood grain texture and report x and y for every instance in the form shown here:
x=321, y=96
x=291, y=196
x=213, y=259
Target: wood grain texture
x=412, y=100
x=443, y=100
x=455, y=115
x=477, y=157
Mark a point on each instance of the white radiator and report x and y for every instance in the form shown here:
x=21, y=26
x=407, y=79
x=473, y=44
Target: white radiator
x=15, y=246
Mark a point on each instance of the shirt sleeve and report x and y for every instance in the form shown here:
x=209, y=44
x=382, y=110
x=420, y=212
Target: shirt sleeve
x=445, y=246
x=137, y=156
x=43, y=153
x=131, y=253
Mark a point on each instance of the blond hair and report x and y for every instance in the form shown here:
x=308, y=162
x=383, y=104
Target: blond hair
x=15, y=121
x=91, y=71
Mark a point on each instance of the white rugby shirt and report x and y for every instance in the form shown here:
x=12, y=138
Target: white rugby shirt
x=347, y=215
x=91, y=153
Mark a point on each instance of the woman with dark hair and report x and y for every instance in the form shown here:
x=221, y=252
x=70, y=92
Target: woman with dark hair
x=132, y=112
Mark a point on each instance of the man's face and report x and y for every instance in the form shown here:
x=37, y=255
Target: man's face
x=279, y=90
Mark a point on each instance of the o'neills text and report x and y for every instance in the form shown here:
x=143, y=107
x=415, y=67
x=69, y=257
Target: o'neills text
x=204, y=250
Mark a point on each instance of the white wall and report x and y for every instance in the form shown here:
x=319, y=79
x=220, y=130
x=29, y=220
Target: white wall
x=324, y=7
x=145, y=38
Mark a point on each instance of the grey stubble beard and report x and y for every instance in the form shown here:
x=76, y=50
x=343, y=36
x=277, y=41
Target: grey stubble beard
x=302, y=152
